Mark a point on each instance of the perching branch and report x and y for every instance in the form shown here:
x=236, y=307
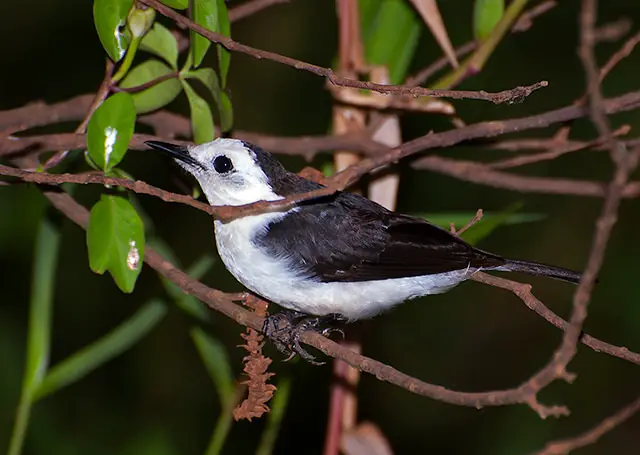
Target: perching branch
x=224, y=303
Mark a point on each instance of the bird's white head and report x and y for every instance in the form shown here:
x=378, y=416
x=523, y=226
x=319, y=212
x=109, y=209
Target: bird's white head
x=229, y=171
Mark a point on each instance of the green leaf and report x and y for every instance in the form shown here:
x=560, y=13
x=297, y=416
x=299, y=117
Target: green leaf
x=225, y=109
x=216, y=361
x=115, y=239
x=96, y=354
x=201, y=118
x=110, y=130
x=486, y=14
x=205, y=13
x=490, y=221
x=224, y=56
x=160, y=42
x=210, y=80
x=390, y=31
x=274, y=418
x=177, y=4
x=157, y=96
x=110, y=17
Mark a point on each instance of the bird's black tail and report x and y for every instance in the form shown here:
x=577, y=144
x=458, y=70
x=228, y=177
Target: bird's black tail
x=533, y=268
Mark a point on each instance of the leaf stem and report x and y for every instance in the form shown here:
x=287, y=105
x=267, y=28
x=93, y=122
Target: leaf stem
x=127, y=62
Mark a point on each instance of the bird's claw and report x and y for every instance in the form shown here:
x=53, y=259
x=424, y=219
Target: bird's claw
x=286, y=337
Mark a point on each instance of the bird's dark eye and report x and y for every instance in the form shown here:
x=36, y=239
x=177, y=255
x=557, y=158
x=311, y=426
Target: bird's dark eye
x=222, y=164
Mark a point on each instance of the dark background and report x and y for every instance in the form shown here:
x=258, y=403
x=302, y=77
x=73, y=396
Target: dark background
x=157, y=397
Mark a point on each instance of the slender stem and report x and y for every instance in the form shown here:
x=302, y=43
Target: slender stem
x=38, y=341
x=148, y=84
x=127, y=62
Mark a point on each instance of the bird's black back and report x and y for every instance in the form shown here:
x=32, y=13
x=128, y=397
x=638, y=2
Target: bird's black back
x=347, y=237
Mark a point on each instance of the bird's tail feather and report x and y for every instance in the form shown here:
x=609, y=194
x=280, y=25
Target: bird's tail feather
x=534, y=268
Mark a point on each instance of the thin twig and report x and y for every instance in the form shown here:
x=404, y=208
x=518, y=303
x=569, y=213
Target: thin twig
x=591, y=436
x=458, y=232
x=250, y=8
x=146, y=85
x=101, y=95
x=554, y=153
x=505, y=96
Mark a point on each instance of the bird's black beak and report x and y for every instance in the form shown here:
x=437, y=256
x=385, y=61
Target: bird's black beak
x=179, y=152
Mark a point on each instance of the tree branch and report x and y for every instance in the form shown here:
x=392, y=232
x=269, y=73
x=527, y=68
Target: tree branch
x=223, y=303
x=506, y=96
x=565, y=446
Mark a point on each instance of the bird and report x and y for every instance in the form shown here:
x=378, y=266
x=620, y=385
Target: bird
x=340, y=257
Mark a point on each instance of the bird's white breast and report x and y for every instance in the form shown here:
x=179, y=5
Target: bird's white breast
x=274, y=279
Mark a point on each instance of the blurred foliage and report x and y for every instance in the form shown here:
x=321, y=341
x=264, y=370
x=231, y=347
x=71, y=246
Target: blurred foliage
x=142, y=387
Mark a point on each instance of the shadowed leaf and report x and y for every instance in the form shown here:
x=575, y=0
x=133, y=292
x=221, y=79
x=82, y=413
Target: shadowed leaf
x=177, y=4
x=224, y=56
x=490, y=221
x=160, y=42
x=390, y=31
x=486, y=14
x=201, y=118
x=215, y=359
x=274, y=418
x=114, y=343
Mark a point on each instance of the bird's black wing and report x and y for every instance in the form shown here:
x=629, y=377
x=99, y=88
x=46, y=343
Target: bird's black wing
x=347, y=237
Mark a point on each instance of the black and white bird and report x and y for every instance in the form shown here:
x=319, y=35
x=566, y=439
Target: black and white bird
x=341, y=255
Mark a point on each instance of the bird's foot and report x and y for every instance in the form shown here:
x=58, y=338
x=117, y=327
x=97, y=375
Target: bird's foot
x=285, y=330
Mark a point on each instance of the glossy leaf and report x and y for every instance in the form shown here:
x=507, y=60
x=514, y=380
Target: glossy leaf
x=201, y=118
x=390, y=31
x=96, y=354
x=160, y=42
x=156, y=96
x=177, y=4
x=206, y=14
x=115, y=239
x=210, y=80
x=486, y=14
x=215, y=359
x=109, y=17
x=224, y=56
x=110, y=130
